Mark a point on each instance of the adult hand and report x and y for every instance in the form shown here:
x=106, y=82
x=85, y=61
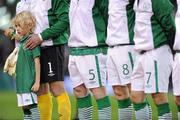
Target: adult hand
x=33, y=41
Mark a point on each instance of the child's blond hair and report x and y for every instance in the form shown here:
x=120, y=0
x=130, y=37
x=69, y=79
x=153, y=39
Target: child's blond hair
x=25, y=20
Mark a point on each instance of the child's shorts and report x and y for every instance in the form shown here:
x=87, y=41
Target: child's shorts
x=25, y=99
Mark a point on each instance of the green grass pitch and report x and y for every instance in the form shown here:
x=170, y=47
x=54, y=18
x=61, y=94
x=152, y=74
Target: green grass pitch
x=10, y=111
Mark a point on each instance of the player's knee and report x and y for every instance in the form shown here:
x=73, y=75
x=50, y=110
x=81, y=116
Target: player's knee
x=57, y=92
x=137, y=97
x=121, y=92
x=99, y=92
x=80, y=91
x=177, y=100
x=57, y=88
x=159, y=98
x=43, y=89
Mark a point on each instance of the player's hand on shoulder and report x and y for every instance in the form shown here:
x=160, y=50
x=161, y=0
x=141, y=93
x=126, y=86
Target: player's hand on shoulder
x=33, y=41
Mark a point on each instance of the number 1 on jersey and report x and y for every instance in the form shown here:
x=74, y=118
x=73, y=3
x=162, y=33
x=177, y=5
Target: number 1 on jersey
x=50, y=67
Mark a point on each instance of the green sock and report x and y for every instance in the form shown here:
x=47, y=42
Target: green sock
x=164, y=111
x=125, y=109
x=178, y=112
x=142, y=111
x=104, y=108
x=85, y=108
x=178, y=108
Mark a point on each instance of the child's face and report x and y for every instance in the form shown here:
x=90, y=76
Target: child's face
x=20, y=31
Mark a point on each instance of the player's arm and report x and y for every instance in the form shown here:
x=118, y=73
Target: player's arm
x=163, y=10
x=36, y=85
x=131, y=2
x=60, y=9
x=103, y=8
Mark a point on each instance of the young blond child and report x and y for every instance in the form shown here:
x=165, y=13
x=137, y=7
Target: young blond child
x=27, y=67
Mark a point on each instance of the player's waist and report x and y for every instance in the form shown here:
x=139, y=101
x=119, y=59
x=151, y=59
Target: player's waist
x=88, y=50
x=125, y=44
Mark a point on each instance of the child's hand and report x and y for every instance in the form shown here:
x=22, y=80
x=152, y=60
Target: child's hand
x=35, y=87
x=8, y=33
x=11, y=34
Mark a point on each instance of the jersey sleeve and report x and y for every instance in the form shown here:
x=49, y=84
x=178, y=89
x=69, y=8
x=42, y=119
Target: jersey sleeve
x=163, y=10
x=131, y=2
x=18, y=7
x=103, y=8
x=36, y=52
x=22, y=6
x=60, y=9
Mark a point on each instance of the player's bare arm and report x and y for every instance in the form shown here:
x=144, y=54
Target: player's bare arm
x=36, y=85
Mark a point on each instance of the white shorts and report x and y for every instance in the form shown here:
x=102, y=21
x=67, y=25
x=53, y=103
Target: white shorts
x=120, y=63
x=152, y=71
x=88, y=69
x=176, y=75
x=26, y=99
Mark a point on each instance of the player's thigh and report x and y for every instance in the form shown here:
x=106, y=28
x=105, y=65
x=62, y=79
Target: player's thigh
x=160, y=98
x=137, y=77
x=176, y=74
x=121, y=92
x=80, y=91
x=157, y=69
x=75, y=65
x=43, y=89
x=57, y=88
x=92, y=69
x=120, y=64
x=177, y=100
x=99, y=92
x=138, y=96
x=52, y=64
x=74, y=73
